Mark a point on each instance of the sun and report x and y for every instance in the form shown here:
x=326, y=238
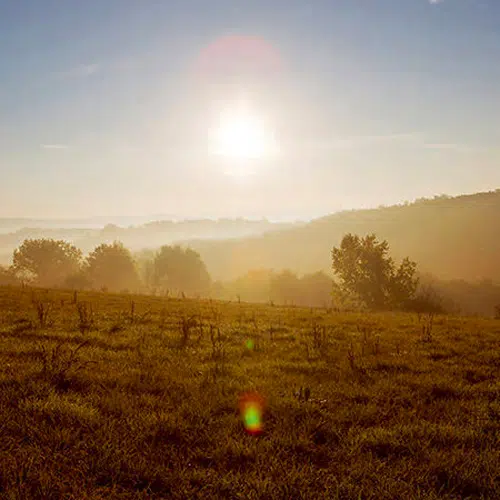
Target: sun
x=240, y=135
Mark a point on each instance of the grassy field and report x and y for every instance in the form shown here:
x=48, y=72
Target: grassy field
x=112, y=396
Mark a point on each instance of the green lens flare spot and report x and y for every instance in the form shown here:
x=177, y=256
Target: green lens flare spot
x=252, y=418
x=251, y=405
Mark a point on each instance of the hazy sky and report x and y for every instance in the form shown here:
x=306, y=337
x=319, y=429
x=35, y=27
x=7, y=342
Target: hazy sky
x=107, y=106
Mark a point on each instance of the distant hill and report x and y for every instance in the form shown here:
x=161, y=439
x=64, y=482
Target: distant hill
x=150, y=235
x=451, y=238
x=9, y=224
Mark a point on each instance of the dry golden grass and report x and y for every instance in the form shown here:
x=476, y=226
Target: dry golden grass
x=112, y=396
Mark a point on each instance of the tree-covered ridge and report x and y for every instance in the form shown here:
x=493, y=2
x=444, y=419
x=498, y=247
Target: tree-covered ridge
x=449, y=237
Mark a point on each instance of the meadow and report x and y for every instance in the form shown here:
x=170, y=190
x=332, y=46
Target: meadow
x=108, y=396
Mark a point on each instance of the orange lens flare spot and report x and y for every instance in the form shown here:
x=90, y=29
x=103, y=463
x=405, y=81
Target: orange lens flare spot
x=252, y=406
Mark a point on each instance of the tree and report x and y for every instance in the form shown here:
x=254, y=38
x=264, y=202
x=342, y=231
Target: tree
x=403, y=284
x=366, y=271
x=316, y=289
x=254, y=286
x=111, y=266
x=426, y=300
x=180, y=270
x=285, y=288
x=46, y=262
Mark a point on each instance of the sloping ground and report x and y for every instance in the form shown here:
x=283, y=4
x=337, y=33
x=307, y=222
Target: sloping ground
x=108, y=396
x=452, y=238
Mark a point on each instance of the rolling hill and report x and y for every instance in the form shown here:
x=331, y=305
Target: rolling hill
x=450, y=238
x=147, y=235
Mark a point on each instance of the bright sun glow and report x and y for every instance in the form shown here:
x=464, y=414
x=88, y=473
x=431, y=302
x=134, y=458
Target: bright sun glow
x=241, y=136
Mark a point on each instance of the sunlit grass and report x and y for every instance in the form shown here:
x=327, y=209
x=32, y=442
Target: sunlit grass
x=144, y=402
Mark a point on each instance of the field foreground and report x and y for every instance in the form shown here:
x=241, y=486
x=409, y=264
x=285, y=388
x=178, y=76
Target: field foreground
x=114, y=396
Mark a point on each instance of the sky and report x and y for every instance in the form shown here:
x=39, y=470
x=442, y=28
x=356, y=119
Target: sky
x=108, y=107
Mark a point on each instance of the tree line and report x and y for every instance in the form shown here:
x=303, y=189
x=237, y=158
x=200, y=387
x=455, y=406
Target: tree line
x=365, y=276
x=278, y=287
x=171, y=270
x=57, y=263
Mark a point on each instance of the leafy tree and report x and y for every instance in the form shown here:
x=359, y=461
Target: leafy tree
x=180, y=270
x=254, y=286
x=403, y=283
x=112, y=267
x=316, y=289
x=426, y=300
x=285, y=288
x=47, y=262
x=366, y=270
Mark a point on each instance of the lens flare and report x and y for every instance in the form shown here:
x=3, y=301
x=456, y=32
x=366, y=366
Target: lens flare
x=239, y=56
x=249, y=344
x=251, y=409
